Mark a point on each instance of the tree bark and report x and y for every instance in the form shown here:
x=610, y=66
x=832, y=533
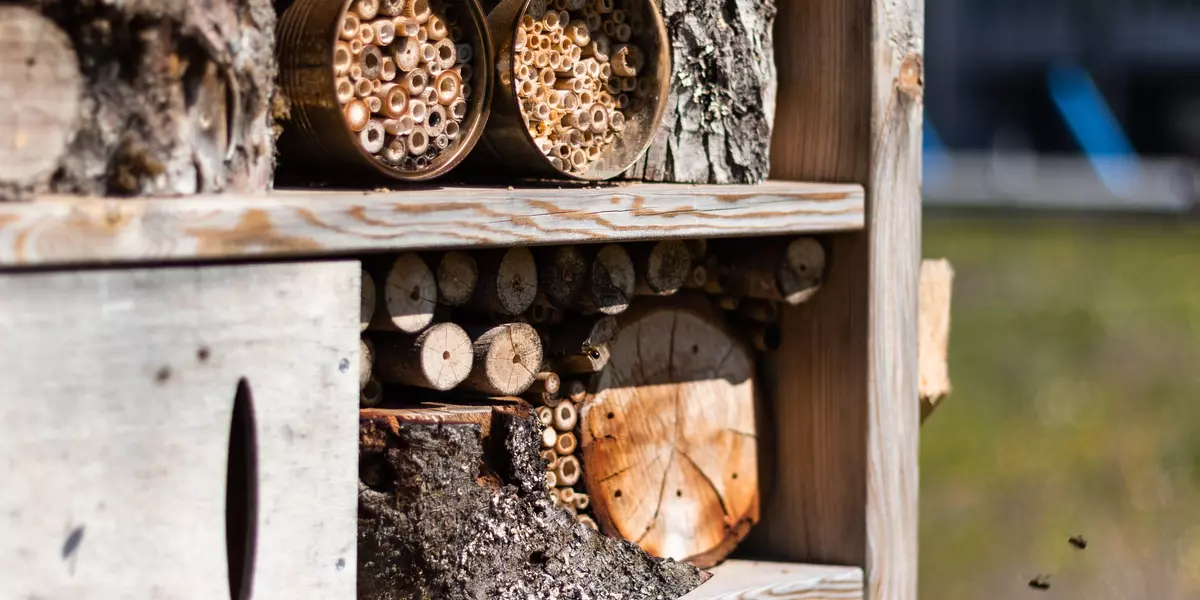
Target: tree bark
x=497, y=535
x=175, y=100
x=717, y=125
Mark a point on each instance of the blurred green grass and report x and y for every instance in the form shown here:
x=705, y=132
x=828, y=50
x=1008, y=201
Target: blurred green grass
x=1075, y=360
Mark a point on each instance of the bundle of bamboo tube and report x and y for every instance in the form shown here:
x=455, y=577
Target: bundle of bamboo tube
x=556, y=408
x=403, y=78
x=499, y=322
x=575, y=69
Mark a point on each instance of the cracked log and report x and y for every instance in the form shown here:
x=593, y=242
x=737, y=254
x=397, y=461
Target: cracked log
x=174, y=100
x=669, y=443
x=721, y=108
x=447, y=511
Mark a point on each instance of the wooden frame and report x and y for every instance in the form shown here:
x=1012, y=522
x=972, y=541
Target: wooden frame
x=847, y=372
x=844, y=384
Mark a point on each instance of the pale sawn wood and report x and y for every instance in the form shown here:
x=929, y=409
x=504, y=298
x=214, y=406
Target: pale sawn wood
x=408, y=297
x=115, y=412
x=937, y=282
x=753, y=580
x=438, y=358
x=846, y=375
x=57, y=230
x=661, y=267
x=40, y=86
x=668, y=440
x=507, y=358
x=457, y=276
x=508, y=281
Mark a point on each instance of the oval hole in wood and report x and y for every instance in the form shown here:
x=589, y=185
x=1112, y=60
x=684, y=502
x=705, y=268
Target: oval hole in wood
x=241, y=494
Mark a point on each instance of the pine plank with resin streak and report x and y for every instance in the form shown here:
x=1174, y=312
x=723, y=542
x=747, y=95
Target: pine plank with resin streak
x=752, y=580
x=59, y=230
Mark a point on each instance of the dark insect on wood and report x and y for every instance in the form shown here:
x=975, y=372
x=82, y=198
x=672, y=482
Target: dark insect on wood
x=1078, y=541
x=1041, y=582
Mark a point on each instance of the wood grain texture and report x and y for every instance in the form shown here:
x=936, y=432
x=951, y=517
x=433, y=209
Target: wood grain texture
x=56, y=230
x=846, y=374
x=175, y=100
x=115, y=412
x=937, y=283
x=669, y=440
x=40, y=92
x=752, y=580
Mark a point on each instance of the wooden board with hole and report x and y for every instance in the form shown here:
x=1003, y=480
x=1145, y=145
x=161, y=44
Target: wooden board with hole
x=68, y=230
x=118, y=417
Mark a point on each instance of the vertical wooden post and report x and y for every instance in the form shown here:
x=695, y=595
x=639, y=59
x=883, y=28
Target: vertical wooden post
x=846, y=375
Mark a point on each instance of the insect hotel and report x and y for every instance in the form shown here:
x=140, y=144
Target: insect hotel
x=459, y=299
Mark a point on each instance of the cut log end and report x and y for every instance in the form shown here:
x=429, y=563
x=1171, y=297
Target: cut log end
x=507, y=360
x=664, y=268
x=676, y=375
x=371, y=393
x=41, y=84
x=562, y=275
x=508, y=281
x=802, y=270
x=612, y=282
x=366, y=351
x=457, y=276
x=409, y=298
x=439, y=358
x=367, y=310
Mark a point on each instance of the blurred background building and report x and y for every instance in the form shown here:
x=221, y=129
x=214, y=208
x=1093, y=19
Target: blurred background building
x=1062, y=152
x=1063, y=102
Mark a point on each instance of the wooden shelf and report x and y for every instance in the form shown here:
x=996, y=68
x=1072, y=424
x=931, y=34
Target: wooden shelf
x=63, y=230
x=751, y=580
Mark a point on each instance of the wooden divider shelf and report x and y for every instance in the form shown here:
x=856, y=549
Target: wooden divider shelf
x=70, y=230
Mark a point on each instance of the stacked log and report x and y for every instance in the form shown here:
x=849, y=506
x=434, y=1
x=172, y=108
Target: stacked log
x=487, y=322
x=613, y=349
x=134, y=98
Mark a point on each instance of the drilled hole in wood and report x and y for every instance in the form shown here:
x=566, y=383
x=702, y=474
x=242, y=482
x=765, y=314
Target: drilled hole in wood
x=416, y=293
x=446, y=355
x=203, y=353
x=241, y=494
x=696, y=349
x=678, y=493
x=735, y=475
x=610, y=415
x=617, y=494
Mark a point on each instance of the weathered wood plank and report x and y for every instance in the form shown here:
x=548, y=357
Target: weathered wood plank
x=115, y=424
x=847, y=370
x=71, y=230
x=751, y=580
